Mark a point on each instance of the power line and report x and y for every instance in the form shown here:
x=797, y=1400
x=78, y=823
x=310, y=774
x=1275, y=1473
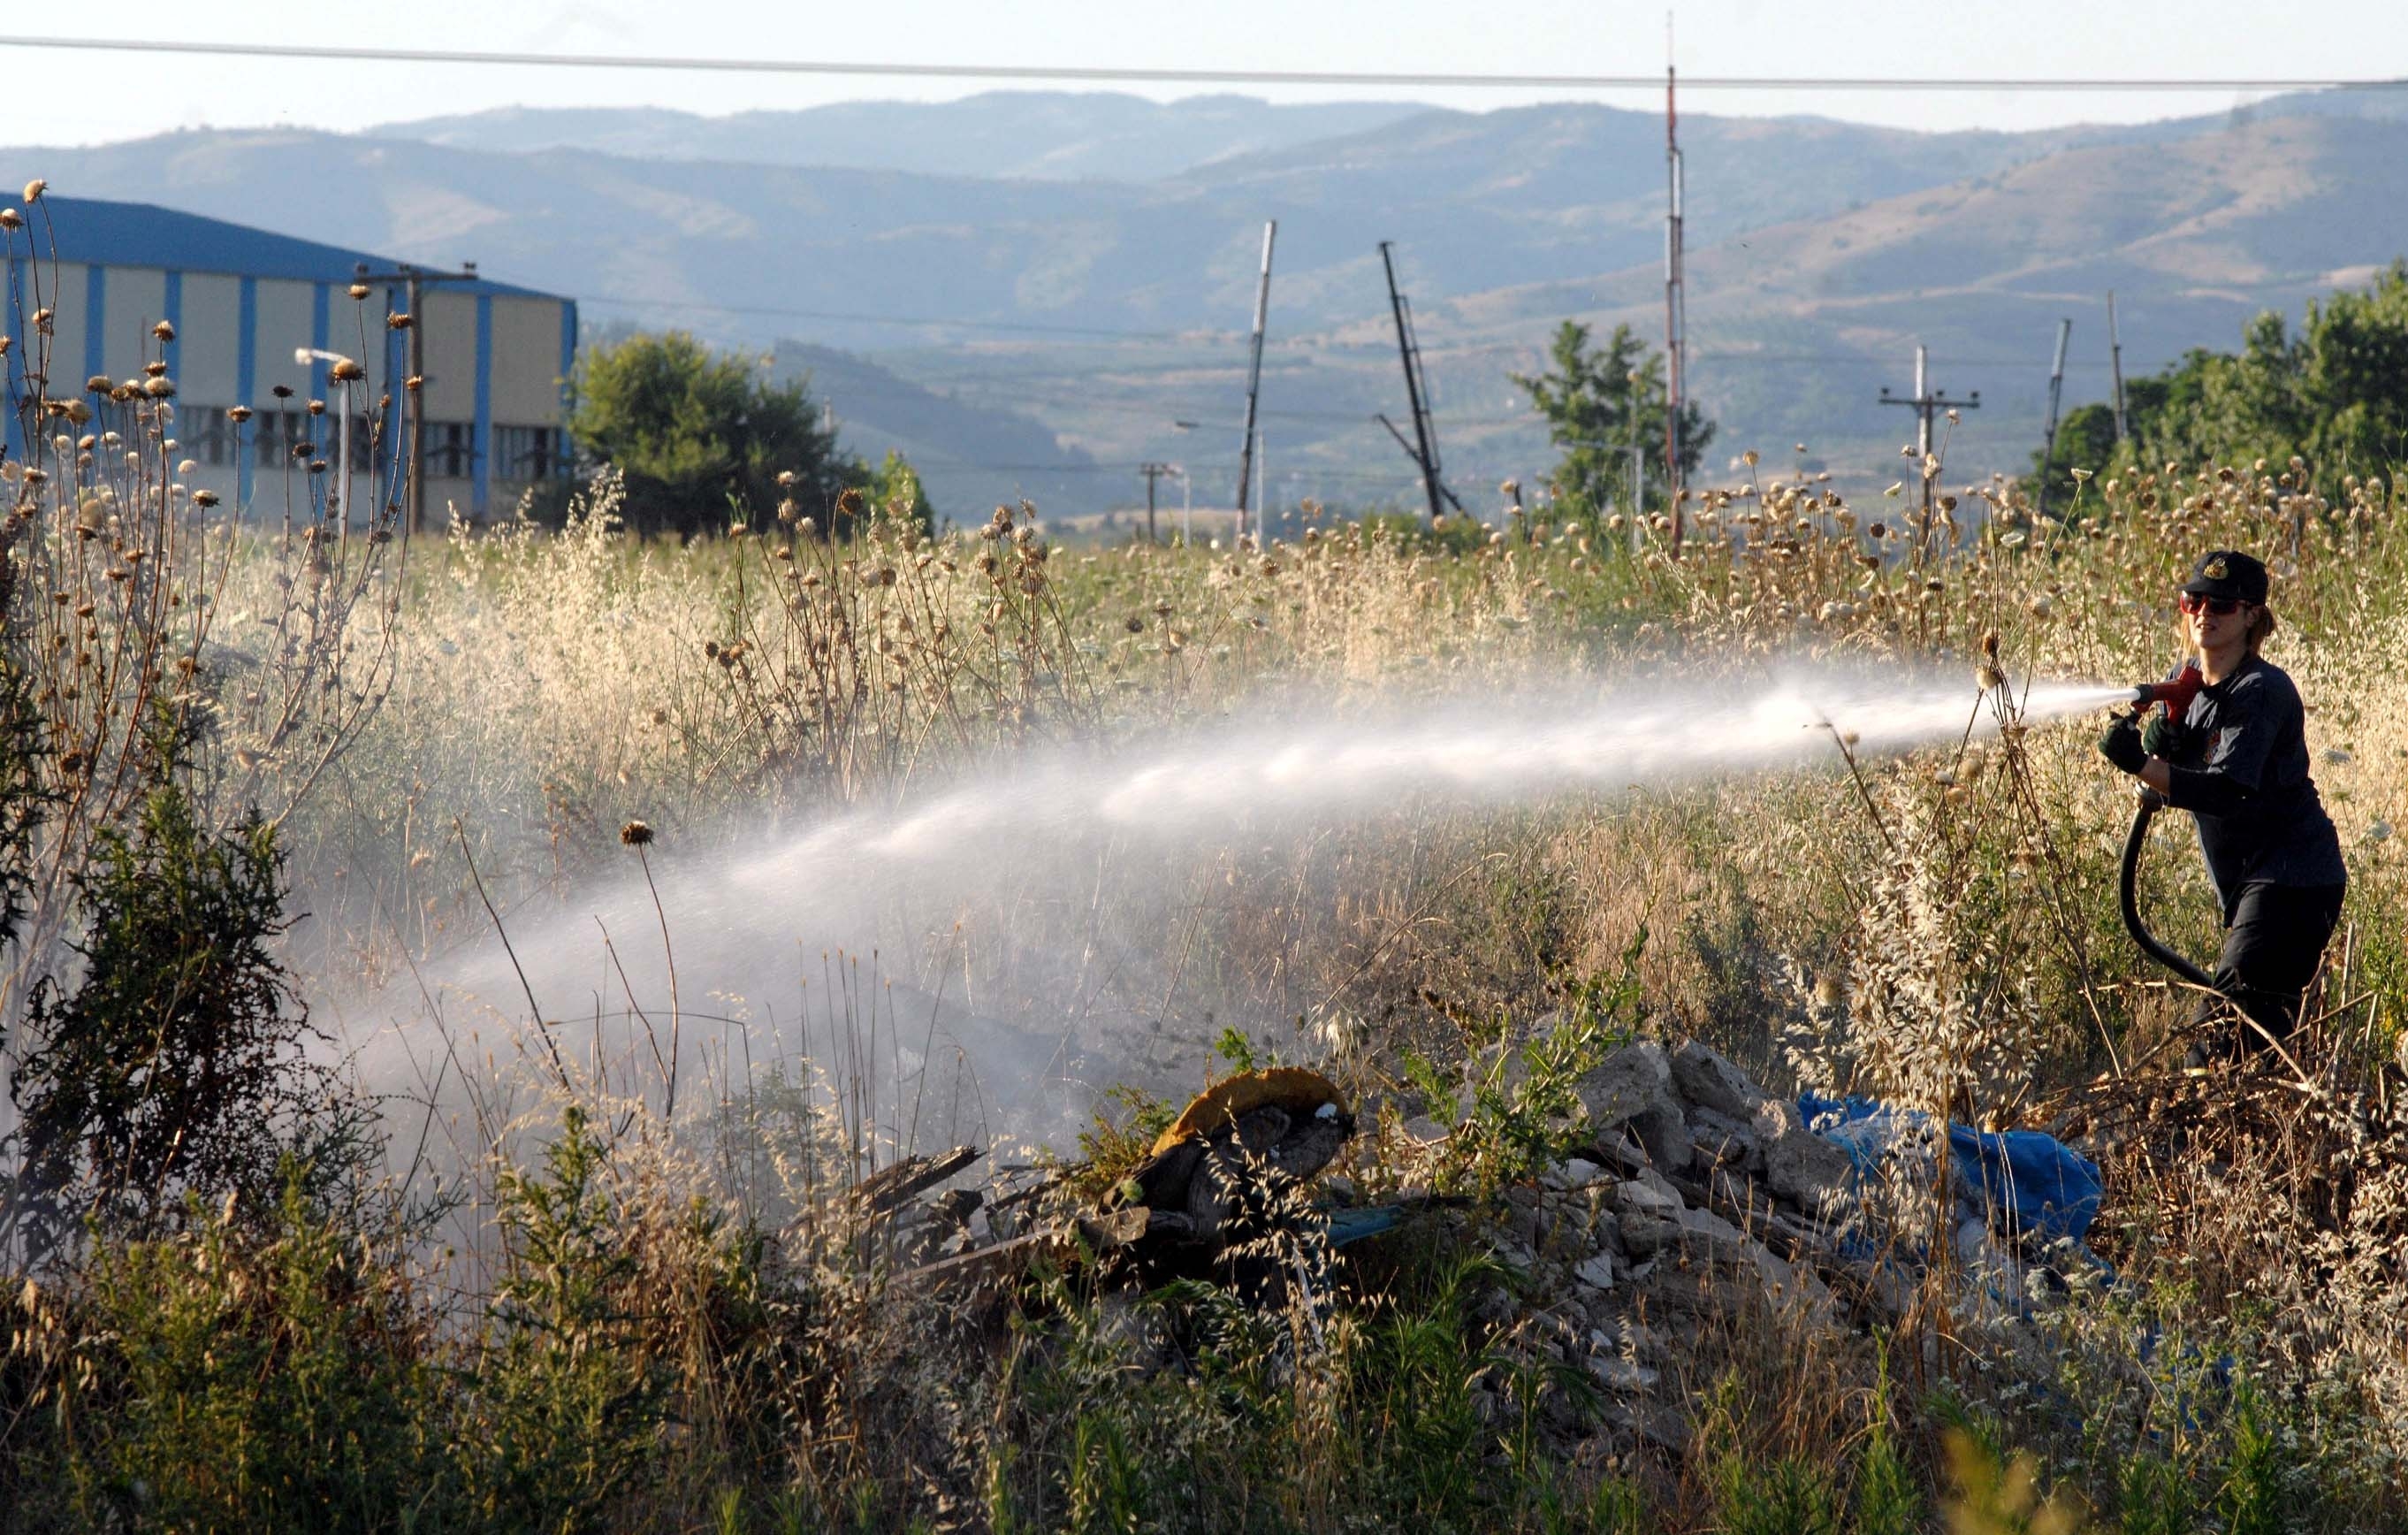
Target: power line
x=1435, y=79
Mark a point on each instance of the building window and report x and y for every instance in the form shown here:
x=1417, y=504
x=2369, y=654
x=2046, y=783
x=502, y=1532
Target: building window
x=208, y=437
x=530, y=452
x=450, y=449
x=274, y=435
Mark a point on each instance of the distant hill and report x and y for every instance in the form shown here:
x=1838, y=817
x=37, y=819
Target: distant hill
x=1045, y=318
x=969, y=457
x=1475, y=201
x=1024, y=134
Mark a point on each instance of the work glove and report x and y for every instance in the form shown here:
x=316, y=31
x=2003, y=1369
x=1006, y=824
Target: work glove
x=2121, y=744
x=2165, y=737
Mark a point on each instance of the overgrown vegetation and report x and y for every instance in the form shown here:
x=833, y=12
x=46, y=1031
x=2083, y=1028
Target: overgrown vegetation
x=550, y=1305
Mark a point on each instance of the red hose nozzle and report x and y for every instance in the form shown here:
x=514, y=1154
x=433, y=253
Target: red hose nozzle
x=2176, y=694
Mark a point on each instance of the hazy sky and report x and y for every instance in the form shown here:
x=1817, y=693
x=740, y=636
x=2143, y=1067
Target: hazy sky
x=76, y=98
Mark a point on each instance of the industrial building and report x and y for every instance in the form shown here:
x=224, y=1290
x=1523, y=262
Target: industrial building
x=242, y=302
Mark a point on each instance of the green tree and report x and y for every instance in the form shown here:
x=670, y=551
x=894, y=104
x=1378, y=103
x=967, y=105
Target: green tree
x=893, y=488
x=2335, y=393
x=699, y=433
x=1598, y=403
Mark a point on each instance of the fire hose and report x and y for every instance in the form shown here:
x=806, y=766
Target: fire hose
x=2145, y=811
x=2175, y=697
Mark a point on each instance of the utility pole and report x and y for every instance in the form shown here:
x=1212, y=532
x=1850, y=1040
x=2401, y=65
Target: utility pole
x=1676, y=315
x=2056, y=393
x=1423, y=449
x=1152, y=472
x=2116, y=364
x=415, y=281
x=1925, y=404
x=1254, y=372
x=1638, y=488
x=1262, y=493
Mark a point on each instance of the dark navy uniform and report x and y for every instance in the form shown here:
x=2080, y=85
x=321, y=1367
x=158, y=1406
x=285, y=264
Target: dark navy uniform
x=2239, y=763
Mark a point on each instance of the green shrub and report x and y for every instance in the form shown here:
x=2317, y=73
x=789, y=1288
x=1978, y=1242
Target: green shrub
x=177, y=1063
x=569, y=1400
x=243, y=1374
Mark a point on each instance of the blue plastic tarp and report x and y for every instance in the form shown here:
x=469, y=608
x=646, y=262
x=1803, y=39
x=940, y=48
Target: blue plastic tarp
x=2034, y=1182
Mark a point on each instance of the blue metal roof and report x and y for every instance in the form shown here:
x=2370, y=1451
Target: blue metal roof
x=112, y=234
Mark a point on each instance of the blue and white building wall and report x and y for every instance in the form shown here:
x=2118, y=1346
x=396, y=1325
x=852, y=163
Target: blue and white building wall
x=242, y=300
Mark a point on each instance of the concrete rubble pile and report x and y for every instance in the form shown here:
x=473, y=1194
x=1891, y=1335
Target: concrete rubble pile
x=1695, y=1198
x=1691, y=1192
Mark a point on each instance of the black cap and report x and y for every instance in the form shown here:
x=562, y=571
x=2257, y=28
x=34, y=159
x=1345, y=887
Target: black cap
x=2228, y=573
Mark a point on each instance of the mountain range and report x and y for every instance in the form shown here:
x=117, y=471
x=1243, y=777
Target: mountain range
x=1026, y=270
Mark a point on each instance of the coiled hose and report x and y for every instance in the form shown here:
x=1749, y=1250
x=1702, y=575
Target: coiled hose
x=2144, y=810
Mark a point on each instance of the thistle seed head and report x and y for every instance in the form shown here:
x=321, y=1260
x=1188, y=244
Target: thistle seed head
x=635, y=834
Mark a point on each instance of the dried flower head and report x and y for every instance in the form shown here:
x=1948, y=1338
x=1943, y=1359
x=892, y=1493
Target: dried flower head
x=345, y=372
x=11, y=218
x=35, y=188
x=358, y=290
x=635, y=834
x=163, y=331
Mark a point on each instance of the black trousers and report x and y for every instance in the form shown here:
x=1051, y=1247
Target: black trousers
x=2271, y=947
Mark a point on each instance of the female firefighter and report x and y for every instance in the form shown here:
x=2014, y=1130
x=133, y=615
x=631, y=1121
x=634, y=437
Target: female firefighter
x=2238, y=761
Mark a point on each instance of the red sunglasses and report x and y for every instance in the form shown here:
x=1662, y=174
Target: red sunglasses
x=2191, y=602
